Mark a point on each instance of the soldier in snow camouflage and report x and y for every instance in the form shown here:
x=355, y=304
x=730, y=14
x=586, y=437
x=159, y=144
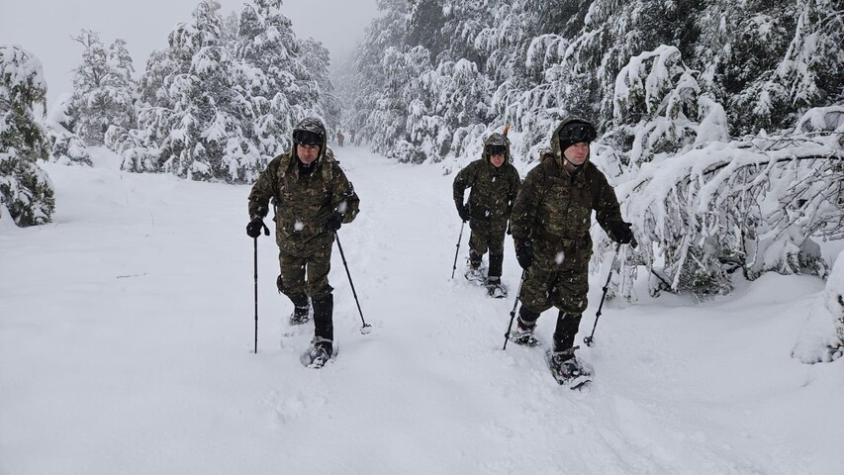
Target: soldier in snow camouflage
x=550, y=226
x=494, y=182
x=312, y=198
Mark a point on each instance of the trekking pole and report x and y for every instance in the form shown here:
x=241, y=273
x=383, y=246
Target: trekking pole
x=255, y=242
x=513, y=312
x=458, y=249
x=366, y=328
x=589, y=339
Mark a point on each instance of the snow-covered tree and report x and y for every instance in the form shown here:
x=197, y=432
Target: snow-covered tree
x=753, y=206
x=192, y=111
x=670, y=85
x=822, y=338
x=25, y=189
x=223, y=98
x=103, y=86
x=764, y=62
x=67, y=148
x=316, y=60
x=377, y=105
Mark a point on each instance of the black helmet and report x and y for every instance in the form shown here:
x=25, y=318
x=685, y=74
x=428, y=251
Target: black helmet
x=576, y=131
x=309, y=131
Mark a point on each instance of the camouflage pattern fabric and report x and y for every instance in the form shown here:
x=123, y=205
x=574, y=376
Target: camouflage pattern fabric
x=553, y=211
x=293, y=280
x=304, y=202
x=490, y=201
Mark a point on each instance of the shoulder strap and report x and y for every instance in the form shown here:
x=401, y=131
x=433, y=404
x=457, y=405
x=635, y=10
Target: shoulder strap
x=284, y=164
x=328, y=164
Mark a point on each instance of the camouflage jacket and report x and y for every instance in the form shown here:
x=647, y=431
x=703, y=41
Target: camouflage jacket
x=554, y=208
x=303, y=203
x=493, y=189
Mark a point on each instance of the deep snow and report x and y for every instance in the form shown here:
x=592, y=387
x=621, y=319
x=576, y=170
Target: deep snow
x=126, y=347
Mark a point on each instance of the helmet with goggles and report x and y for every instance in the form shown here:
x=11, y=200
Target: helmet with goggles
x=496, y=144
x=309, y=131
x=576, y=131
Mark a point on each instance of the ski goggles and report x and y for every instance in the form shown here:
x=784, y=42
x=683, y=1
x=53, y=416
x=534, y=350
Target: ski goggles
x=575, y=132
x=306, y=137
x=496, y=150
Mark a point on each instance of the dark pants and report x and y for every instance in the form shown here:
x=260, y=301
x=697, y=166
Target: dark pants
x=557, y=279
x=303, y=277
x=488, y=236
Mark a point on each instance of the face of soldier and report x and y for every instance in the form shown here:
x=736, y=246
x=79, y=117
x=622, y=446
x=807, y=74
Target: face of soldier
x=577, y=153
x=307, y=153
x=497, y=160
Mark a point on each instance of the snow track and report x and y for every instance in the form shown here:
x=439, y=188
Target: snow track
x=126, y=338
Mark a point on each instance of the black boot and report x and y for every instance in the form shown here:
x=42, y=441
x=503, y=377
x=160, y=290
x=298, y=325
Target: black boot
x=495, y=265
x=495, y=289
x=525, y=324
x=301, y=310
x=567, y=326
x=475, y=259
x=493, y=282
x=474, y=272
x=323, y=321
x=566, y=369
x=562, y=361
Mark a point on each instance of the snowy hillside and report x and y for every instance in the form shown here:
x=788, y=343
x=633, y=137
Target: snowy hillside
x=126, y=347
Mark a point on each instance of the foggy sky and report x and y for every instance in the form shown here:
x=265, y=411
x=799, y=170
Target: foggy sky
x=45, y=28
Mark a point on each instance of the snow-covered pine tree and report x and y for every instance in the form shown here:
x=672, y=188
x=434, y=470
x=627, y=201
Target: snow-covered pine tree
x=316, y=60
x=140, y=147
x=192, y=113
x=103, y=89
x=67, y=148
x=755, y=206
x=378, y=106
x=822, y=337
x=222, y=100
x=666, y=83
x=770, y=61
x=282, y=88
x=25, y=189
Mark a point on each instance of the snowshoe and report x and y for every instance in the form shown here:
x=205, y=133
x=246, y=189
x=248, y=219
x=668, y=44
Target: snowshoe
x=318, y=354
x=300, y=315
x=496, y=290
x=524, y=337
x=475, y=275
x=566, y=370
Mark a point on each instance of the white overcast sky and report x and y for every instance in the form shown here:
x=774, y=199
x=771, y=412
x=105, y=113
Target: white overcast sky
x=45, y=27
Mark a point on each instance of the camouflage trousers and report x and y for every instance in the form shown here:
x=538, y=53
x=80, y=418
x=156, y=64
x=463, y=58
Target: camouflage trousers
x=305, y=276
x=556, y=280
x=488, y=236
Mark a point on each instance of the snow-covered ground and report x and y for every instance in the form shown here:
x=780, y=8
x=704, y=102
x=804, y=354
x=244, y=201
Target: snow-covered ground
x=126, y=333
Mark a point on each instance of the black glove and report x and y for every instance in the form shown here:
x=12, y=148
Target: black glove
x=622, y=234
x=463, y=211
x=253, y=229
x=334, y=222
x=524, y=253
